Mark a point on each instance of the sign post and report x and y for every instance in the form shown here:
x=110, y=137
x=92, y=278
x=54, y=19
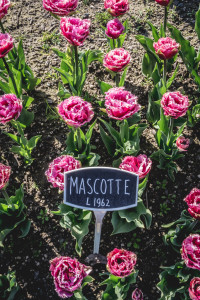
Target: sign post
x=100, y=189
x=99, y=215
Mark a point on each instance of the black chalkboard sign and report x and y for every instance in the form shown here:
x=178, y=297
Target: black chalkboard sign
x=101, y=188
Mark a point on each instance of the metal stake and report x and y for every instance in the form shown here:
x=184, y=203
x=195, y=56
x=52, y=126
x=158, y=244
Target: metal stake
x=99, y=215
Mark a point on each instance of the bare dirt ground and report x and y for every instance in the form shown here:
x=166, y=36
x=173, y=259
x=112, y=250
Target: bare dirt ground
x=30, y=256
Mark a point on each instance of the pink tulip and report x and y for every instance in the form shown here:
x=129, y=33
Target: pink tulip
x=4, y=175
x=182, y=143
x=75, y=111
x=4, y=5
x=116, y=7
x=10, y=108
x=140, y=165
x=114, y=29
x=193, y=202
x=116, y=60
x=75, y=30
x=60, y=7
x=121, y=262
x=163, y=2
x=191, y=251
x=166, y=48
x=137, y=294
x=57, y=168
x=6, y=44
x=174, y=104
x=194, y=289
x=120, y=104
x=68, y=275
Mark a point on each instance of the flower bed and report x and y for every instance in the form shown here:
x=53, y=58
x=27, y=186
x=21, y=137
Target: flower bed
x=30, y=256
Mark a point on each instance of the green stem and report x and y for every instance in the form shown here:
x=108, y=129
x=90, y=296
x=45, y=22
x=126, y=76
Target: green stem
x=171, y=125
x=79, y=139
x=165, y=19
x=2, y=28
x=11, y=76
x=118, y=43
x=113, y=44
x=192, y=225
x=5, y=194
x=165, y=73
x=19, y=128
x=117, y=79
x=122, y=125
x=76, y=66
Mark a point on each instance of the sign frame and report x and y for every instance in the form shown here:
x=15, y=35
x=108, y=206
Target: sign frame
x=67, y=174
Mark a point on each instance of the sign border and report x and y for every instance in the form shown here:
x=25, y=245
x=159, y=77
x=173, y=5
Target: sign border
x=100, y=209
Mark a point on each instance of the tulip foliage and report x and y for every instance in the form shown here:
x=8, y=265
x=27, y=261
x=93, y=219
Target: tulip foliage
x=126, y=141
x=78, y=144
x=74, y=64
x=76, y=112
x=175, y=281
x=73, y=70
x=178, y=280
x=77, y=221
x=70, y=276
x=16, y=58
x=189, y=55
x=182, y=278
x=120, y=264
x=179, y=229
x=191, y=59
x=128, y=220
x=13, y=112
x=116, y=33
x=167, y=110
x=120, y=127
x=12, y=209
x=18, y=61
x=13, y=215
x=16, y=77
x=166, y=138
x=8, y=286
x=187, y=223
x=122, y=106
x=123, y=142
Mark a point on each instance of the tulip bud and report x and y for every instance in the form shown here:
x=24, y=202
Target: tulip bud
x=75, y=30
x=166, y=48
x=120, y=104
x=4, y=175
x=60, y=7
x=114, y=29
x=68, y=275
x=57, y=168
x=174, y=104
x=6, y=44
x=121, y=262
x=140, y=165
x=10, y=108
x=116, y=7
x=116, y=60
x=75, y=111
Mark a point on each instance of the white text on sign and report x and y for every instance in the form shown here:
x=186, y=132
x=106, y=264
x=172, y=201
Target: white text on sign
x=82, y=186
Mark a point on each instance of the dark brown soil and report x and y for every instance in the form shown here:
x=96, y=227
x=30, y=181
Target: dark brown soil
x=30, y=256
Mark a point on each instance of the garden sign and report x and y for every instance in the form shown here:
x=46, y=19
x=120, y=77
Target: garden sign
x=100, y=189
